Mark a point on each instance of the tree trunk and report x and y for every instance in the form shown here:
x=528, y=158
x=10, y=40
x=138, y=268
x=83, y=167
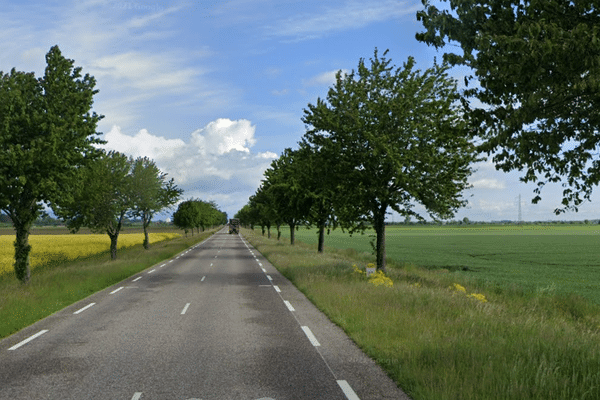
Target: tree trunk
x=321, y=238
x=113, y=244
x=268, y=232
x=292, y=234
x=263, y=229
x=22, y=250
x=278, y=232
x=146, y=222
x=379, y=225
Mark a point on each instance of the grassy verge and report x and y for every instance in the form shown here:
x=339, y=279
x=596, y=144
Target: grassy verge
x=58, y=285
x=436, y=342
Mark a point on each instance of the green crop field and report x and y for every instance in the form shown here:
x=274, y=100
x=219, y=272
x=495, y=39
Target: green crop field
x=532, y=258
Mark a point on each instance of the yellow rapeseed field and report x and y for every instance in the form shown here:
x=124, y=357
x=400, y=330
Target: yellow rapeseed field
x=52, y=248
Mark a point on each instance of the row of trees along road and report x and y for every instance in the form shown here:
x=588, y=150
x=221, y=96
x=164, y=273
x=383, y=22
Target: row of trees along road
x=113, y=186
x=385, y=137
x=49, y=154
x=196, y=213
x=391, y=139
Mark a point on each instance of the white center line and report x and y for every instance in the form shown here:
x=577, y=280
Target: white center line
x=260, y=264
x=211, y=264
x=162, y=265
x=289, y=305
x=310, y=336
x=151, y=271
x=185, y=308
x=269, y=277
x=202, y=280
x=29, y=339
x=277, y=288
x=116, y=290
x=137, y=396
x=264, y=270
x=137, y=279
x=84, y=308
x=350, y=394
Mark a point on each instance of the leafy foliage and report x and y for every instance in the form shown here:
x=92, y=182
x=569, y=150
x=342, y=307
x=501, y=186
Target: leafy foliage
x=536, y=70
x=47, y=131
x=401, y=139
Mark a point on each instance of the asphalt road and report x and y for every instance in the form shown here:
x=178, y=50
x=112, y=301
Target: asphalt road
x=216, y=322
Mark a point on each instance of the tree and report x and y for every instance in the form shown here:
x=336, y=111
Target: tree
x=47, y=131
x=290, y=202
x=537, y=73
x=316, y=174
x=151, y=192
x=186, y=216
x=401, y=140
x=102, y=198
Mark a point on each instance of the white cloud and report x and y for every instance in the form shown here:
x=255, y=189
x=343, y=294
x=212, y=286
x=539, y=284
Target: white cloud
x=224, y=135
x=489, y=183
x=325, y=78
x=352, y=15
x=215, y=163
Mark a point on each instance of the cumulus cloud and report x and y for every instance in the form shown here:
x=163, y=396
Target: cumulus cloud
x=223, y=136
x=325, y=78
x=489, y=183
x=215, y=162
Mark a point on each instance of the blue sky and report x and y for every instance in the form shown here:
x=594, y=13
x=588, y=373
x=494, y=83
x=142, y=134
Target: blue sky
x=213, y=91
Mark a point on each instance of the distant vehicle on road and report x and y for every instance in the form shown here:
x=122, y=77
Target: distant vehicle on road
x=234, y=225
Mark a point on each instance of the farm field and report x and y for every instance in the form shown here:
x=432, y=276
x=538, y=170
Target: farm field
x=533, y=258
x=57, y=246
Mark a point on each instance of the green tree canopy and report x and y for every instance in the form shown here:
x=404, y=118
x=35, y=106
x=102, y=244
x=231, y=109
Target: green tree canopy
x=47, y=132
x=102, y=197
x=536, y=66
x=151, y=192
x=401, y=139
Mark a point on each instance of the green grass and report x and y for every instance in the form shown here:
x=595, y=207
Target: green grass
x=56, y=286
x=437, y=343
x=553, y=258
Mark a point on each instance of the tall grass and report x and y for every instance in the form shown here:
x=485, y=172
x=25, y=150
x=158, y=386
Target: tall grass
x=438, y=343
x=57, y=285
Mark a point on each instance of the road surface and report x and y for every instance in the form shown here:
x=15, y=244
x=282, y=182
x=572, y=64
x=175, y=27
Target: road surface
x=216, y=322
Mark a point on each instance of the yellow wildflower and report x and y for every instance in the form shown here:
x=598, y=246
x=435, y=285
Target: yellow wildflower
x=478, y=296
x=378, y=278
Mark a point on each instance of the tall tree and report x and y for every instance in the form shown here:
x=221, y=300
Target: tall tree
x=186, y=216
x=290, y=201
x=102, y=198
x=47, y=130
x=151, y=192
x=401, y=140
x=317, y=177
x=536, y=70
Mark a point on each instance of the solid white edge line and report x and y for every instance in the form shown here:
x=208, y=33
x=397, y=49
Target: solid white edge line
x=116, y=290
x=84, y=308
x=137, y=396
x=29, y=339
x=277, y=288
x=137, y=279
x=350, y=394
x=289, y=305
x=310, y=336
x=185, y=308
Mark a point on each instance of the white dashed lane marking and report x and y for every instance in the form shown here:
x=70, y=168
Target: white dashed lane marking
x=84, y=308
x=29, y=339
x=310, y=336
x=116, y=290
